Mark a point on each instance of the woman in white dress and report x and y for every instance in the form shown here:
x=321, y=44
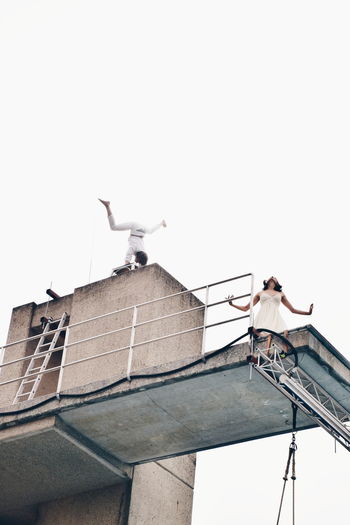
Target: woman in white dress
x=269, y=317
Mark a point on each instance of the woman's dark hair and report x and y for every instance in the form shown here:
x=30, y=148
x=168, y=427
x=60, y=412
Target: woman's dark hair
x=277, y=288
x=142, y=258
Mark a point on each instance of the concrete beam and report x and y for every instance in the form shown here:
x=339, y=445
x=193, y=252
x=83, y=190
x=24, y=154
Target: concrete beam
x=45, y=460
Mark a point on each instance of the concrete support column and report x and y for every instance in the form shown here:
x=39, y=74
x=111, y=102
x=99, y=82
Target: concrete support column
x=107, y=506
x=162, y=492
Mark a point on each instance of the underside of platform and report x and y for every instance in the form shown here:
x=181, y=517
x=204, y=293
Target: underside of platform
x=93, y=439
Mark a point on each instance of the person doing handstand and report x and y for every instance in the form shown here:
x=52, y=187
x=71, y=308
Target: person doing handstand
x=136, y=248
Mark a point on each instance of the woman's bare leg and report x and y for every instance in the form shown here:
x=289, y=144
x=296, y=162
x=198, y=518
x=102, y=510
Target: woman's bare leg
x=285, y=333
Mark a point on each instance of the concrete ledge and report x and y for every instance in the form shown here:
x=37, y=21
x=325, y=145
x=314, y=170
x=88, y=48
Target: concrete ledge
x=208, y=405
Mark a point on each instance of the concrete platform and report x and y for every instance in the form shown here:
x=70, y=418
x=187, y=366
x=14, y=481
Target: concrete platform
x=92, y=438
x=215, y=408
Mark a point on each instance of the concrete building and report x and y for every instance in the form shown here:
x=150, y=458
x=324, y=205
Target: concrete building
x=60, y=476
x=126, y=400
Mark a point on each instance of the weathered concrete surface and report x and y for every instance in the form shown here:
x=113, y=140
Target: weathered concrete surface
x=20, y=516
x=98, y=299
x=172, y=505
x=43, y=460
x=108, y=506
x=25, y=322
x=119, y=293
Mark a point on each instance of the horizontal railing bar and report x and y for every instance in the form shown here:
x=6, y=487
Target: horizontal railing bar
x=201, y=327
x=190, y=310
x=33, y=337
x=152, y=341
x=122, y=348
x=170, y=315
x=227, y=300
x=47, y=371
x=228, y=280
x=142, y=343
x=227, y=321
x=64, y=328
x=168, y=336
x=73, y=343
x=127, y=347
x=26, y=358
x=114, y=351
x=159, y=299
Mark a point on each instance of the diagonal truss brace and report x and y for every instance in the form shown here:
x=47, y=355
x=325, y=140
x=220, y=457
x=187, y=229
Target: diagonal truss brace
x=302, y=390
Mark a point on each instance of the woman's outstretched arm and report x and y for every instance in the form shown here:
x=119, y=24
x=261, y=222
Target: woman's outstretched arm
x=247, y=306
x=294, y=310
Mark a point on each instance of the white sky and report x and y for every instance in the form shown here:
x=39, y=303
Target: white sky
x=229, y=119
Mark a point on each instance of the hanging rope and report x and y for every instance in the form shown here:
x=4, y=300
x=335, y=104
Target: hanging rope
x=291, y=459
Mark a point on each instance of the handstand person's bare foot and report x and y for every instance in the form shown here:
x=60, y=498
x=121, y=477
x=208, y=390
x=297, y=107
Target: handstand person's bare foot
x=105, y=203
x=164, y=223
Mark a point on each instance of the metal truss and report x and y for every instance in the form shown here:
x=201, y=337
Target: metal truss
x=281, y=371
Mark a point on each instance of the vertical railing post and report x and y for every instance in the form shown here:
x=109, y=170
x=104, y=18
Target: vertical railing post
x=2, y=355
x=251, y=313
x=63, y=362
x=205, y=322
x=132, y=339
x=251, y=323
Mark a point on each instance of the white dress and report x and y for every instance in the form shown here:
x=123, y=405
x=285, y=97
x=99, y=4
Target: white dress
x=268, y=315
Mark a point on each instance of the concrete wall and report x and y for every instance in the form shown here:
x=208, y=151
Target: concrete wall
x=25, y=322
x=122, y=292
x=162, y=492
x=108, y=506
x=96, y=299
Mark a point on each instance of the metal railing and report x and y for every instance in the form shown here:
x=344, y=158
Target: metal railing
x=204, y=325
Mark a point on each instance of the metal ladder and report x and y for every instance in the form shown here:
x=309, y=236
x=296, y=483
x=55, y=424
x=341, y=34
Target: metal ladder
x=304, y=392
x=35, y=369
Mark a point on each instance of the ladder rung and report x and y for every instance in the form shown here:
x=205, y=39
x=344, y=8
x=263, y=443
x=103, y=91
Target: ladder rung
x=45, y=344
x=21, y=395
x=36, y=368
x=29, y=381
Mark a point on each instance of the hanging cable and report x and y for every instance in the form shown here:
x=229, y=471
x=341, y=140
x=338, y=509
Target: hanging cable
x=291, y=350
x=291, y=459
